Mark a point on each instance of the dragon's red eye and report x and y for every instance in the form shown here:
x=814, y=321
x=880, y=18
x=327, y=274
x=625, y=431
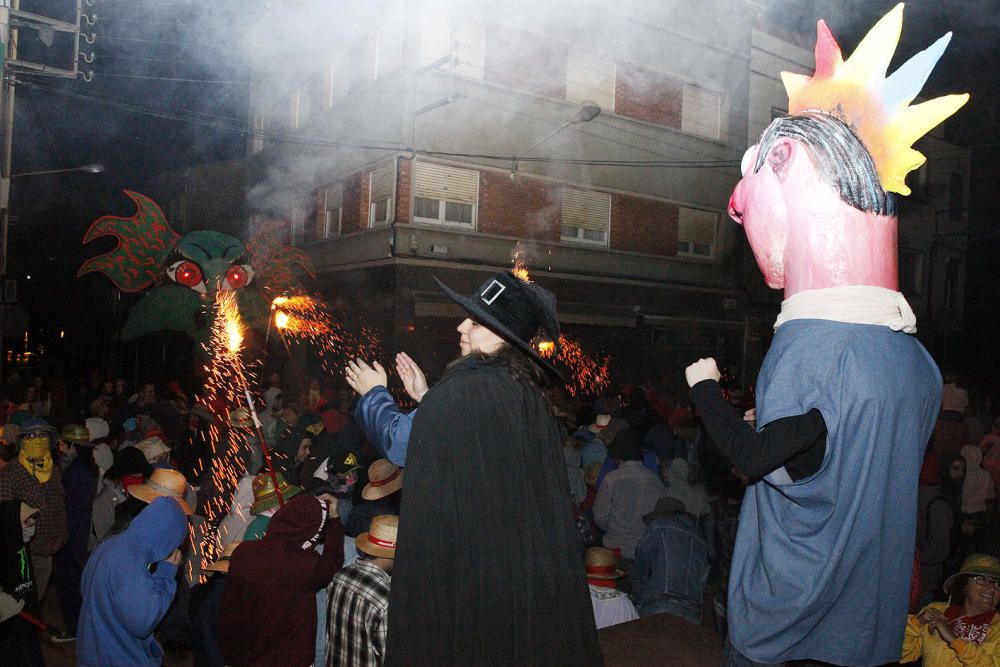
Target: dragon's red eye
x=188, y=274
x=237, y=276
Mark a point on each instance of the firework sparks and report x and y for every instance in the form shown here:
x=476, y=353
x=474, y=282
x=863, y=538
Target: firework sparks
x=227, y=376
x=302, y=318
x=588, y=375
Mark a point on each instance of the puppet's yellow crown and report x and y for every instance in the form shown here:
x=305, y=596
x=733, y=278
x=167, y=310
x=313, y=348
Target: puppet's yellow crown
x=876, y=108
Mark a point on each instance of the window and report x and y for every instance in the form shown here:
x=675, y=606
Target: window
x=911, y=272
x=585, y=216
x=701, y=112
x=381, y=183
x=257, y=138
x=445, y=195
x=590, y=79
x=332, y=215
x=696, y=233
x=464, y=41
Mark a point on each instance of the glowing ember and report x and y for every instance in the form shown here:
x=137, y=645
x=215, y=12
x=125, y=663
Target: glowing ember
x=229, y=313
x=281, y=319
x=587, y=375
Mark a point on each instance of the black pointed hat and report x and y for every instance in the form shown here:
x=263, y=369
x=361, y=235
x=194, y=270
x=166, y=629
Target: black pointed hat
x=513, y=309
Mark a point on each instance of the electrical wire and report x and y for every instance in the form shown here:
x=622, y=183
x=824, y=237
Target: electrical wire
x=286, y=139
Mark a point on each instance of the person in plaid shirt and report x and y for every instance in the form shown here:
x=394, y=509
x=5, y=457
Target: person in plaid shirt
x=359, y=597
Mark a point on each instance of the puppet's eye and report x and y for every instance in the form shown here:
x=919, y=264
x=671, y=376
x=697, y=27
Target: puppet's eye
x=238, y=276
x=187, y=273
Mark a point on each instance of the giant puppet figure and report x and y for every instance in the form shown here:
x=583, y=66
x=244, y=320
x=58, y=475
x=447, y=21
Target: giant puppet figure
x=846, y=397
x=184, y=273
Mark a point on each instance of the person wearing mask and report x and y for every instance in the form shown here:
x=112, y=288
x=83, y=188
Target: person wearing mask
x=19, y=646
x=128, y=586
x=38, y=481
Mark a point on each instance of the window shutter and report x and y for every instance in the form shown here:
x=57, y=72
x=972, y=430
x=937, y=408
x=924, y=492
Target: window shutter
x=590, y=78
x=694, y=226
x=435, y=181
x=381, y=183
x=586, y=209
x=701, y=112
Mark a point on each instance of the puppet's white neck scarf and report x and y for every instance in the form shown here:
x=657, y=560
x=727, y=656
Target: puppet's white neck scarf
x=857, y=304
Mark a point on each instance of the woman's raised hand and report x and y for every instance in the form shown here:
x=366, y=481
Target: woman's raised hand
x=363, y=378
x=414, y=381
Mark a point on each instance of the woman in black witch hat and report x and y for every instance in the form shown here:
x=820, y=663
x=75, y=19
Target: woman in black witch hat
x=488, y=569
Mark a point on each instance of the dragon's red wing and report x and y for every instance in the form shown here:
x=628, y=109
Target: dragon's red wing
x=274, y=262
x=144, y=241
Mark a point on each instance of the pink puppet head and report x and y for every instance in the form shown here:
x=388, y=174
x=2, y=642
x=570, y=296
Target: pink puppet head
x=816, y=196
x=813, y=209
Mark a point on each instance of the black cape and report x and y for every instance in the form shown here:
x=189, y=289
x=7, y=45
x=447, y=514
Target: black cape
x=488, y=567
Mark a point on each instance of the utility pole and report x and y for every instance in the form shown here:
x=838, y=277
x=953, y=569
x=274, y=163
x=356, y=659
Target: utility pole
x=11, y=20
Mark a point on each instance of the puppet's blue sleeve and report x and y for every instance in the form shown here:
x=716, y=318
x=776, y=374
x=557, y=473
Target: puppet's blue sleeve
x=387, y=427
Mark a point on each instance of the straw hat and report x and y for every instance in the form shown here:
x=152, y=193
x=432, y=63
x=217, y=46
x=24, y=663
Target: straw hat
x=222, y=564
x=380, y=539
x=163, y=482
x=600, y=564
x=600, y=423
x=384, y=478
x=75, y=434
x=975, y=564
x=264, y=497
x=152, y=448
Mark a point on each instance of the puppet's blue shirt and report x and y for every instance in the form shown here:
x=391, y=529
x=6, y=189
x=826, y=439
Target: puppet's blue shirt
x=822, y=566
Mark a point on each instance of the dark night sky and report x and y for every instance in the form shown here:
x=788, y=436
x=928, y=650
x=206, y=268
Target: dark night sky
x=166, y=94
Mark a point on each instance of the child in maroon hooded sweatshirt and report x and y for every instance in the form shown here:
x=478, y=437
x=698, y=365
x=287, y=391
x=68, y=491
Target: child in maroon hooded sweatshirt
x=268, y=610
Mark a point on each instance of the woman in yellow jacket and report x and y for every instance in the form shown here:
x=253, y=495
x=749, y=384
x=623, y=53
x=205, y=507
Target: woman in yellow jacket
x=966, y=629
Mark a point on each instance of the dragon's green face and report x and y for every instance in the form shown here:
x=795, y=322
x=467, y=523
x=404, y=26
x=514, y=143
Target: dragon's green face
x=186, y=273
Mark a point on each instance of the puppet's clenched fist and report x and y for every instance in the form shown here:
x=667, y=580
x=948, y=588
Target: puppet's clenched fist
x=703, y=369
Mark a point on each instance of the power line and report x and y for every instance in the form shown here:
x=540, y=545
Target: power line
x=165, y=78
x=396, y=147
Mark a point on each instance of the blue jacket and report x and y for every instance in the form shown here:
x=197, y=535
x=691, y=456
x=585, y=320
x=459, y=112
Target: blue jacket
x=386, y=426
x=670, y=569
x=122, y=602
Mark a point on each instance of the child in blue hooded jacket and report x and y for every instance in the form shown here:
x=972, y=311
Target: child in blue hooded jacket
x=123, y=601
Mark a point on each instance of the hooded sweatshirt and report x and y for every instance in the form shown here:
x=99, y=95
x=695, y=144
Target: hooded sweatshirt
x=978, y=485
x=122, y=601
x=268, y=611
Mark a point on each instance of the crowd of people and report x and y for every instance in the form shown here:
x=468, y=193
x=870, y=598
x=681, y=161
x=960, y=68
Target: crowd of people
x=641, y=510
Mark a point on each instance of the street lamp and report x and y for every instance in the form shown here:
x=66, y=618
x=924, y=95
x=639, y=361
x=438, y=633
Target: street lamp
x=587, y=112
x=91, y=168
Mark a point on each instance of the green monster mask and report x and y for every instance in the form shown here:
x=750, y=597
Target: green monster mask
x=185, y=273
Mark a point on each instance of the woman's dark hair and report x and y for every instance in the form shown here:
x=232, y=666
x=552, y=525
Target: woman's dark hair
x=949, y=486
x=522, y=367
